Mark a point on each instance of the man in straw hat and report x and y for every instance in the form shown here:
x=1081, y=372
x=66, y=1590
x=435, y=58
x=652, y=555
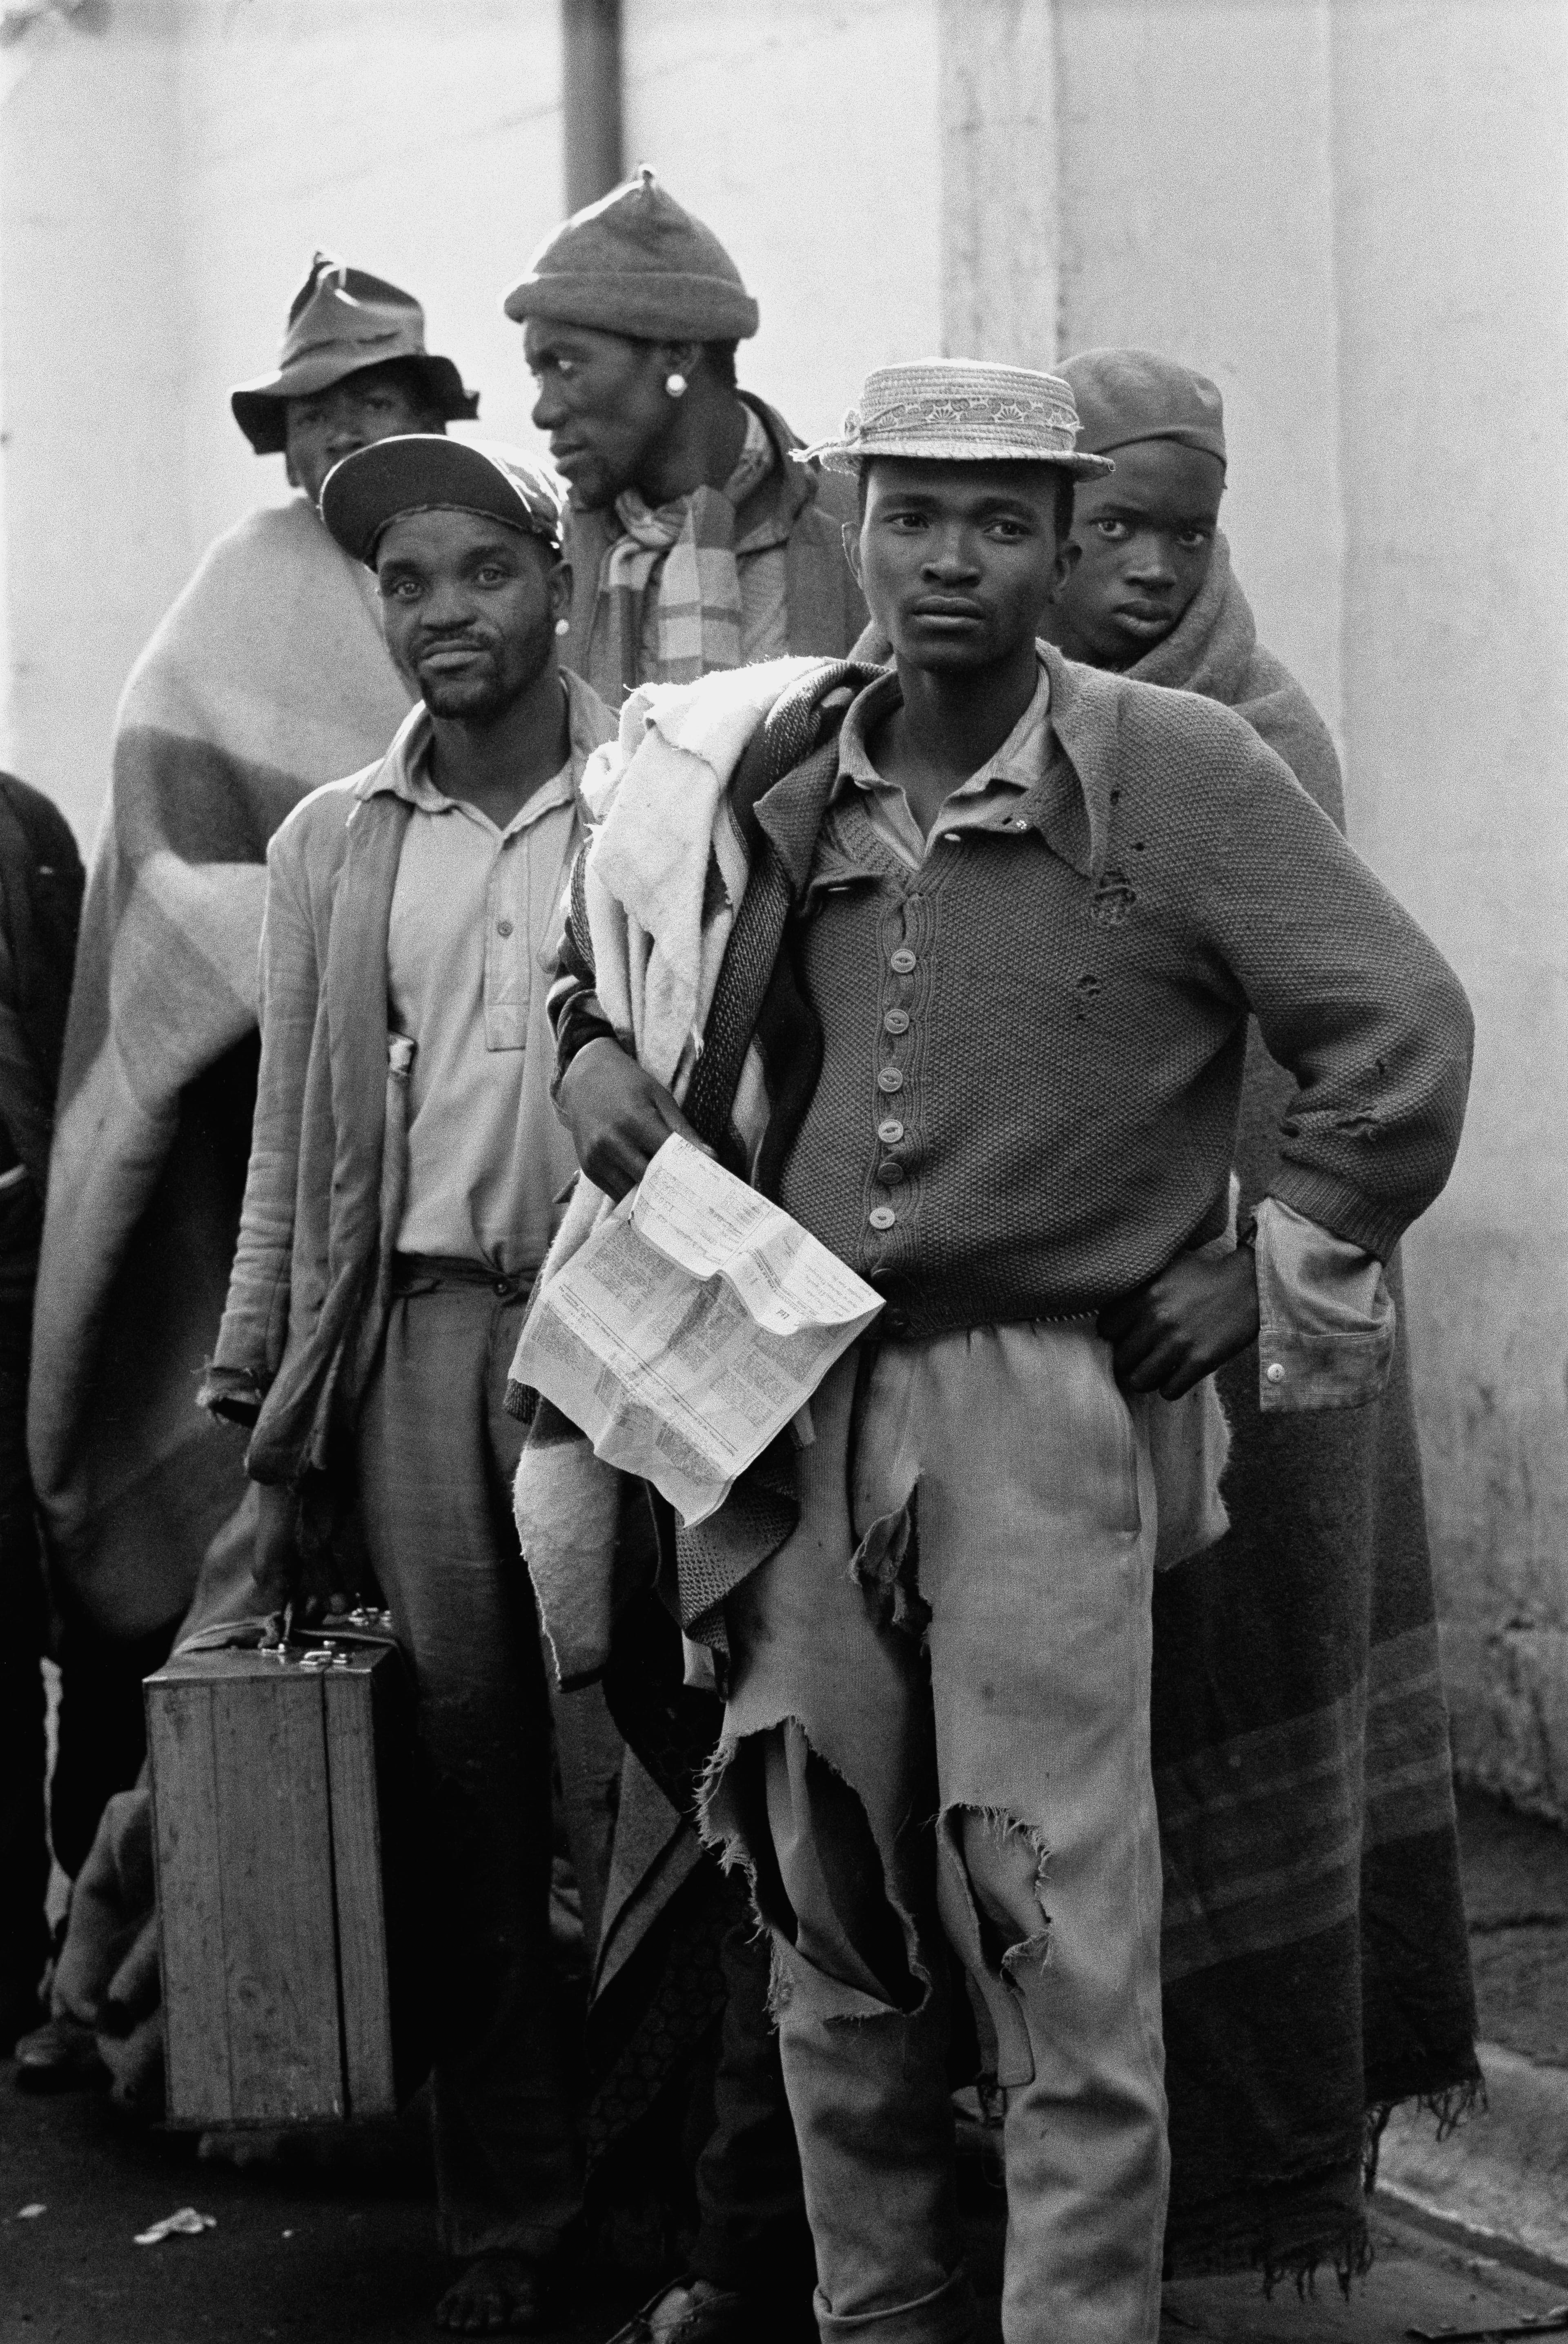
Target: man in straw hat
x=697, y=544
x=267, y=676
x=1360, y=1938
x=398, y=1203
x=981, y=1032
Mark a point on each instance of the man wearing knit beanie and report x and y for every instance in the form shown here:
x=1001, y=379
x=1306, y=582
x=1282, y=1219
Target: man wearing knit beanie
x=695, y=542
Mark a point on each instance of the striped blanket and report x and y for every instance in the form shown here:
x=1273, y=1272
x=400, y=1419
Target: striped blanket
x=267, y=676
x=1315, y=1962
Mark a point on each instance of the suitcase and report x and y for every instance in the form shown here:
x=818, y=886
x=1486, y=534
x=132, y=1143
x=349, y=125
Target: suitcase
x=283, y=1787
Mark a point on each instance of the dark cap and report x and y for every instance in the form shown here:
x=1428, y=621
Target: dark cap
x=1128, y=395
x=422, y=471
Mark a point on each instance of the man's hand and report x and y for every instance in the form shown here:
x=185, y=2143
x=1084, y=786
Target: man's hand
x=619, y=1117
x=1185, y=1323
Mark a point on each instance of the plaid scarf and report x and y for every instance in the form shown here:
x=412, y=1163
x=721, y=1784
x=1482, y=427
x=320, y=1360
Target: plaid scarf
x=684, y=554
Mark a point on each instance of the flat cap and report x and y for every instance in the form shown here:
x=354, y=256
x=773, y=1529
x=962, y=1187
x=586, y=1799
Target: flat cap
x=422, y=471
x=1128, y=395
x=637, y=263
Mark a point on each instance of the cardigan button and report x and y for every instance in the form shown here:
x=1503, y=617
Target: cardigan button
x=890, y=1131
x=903, y=960
x=881, y=1216
x=897, y=1021
x=891, y=1078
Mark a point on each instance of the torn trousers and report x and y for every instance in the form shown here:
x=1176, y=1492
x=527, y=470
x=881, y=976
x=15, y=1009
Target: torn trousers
x=938, y=1722
x=436, y=1453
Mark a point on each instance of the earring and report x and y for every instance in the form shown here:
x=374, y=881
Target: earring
x=563, y=626
x=675, y=384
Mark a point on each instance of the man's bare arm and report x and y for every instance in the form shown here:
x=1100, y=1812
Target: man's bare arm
x=617, y=1116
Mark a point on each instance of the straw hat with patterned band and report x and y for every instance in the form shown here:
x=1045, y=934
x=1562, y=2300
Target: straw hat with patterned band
x=948, y=411
x=342, y=321
x=422, y=471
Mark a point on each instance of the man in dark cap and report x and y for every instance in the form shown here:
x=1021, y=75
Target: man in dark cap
x=699, y=541
x=267, y=676
x=695, y=543
x=1360, y=1938
x=395, y=1209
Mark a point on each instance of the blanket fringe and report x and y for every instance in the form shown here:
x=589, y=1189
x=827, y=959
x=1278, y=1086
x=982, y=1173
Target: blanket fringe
x=1448, y=2109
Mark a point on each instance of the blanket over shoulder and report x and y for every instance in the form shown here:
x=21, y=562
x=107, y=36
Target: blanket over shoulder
x=267, y=677
x=1314, y=1949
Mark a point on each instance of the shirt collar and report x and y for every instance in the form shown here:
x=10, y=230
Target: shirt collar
x=404, y=772
x=1067, y=803
x=1018, y=765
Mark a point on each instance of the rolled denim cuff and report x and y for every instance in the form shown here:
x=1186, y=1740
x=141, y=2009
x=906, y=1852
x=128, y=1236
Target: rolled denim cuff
x=945, y=2316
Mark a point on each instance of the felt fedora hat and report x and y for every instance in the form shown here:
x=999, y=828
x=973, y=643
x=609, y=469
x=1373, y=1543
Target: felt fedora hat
x=636, y=263
x=341, y=320
x=948, y=411
x=422, y=471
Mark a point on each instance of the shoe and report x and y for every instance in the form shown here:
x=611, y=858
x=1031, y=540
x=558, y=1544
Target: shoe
x=61, y=2055
x=716, y=2316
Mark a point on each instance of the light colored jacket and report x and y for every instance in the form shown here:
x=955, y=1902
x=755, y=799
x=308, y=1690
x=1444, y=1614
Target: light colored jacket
x=323, y=1195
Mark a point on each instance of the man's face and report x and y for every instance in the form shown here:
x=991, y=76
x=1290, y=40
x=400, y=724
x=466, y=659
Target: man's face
x=601, y=399
x=375, y=403
x=959, y=561
x=1145, y=535
x=469, y=609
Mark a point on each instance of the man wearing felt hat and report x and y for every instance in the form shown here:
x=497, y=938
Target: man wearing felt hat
x=404, y=1170
x=696, y=544
x=1000, y=927
x=267, y=676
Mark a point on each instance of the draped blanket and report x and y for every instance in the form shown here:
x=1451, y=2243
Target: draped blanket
x=267, y=677
x=658, y=886
x=1315, y=1961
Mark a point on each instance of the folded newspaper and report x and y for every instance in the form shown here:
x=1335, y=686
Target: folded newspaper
x=695, y=1322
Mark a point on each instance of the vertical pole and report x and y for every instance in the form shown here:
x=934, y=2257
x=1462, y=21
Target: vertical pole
x=590, y=96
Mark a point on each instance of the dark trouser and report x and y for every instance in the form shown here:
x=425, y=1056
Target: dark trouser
x=752, y=2235
x=24, y=1848
x=102, y=1727
x=436, y=1453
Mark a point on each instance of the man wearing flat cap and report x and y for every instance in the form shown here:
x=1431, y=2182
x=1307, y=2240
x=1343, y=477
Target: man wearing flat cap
x=975, y=1014
x=400, y=1196
x=1327, y=1520
x=699, y=541
x=267, y=676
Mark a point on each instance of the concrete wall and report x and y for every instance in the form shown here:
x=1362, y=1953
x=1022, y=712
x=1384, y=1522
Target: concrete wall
x=1451, y=163
x=1351, y=212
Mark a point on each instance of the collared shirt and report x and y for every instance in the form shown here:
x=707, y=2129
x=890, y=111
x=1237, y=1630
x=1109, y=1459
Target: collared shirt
x=475, y=912
x=977, y=803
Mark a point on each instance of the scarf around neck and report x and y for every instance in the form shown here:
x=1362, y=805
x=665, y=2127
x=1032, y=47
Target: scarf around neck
x=684, y=554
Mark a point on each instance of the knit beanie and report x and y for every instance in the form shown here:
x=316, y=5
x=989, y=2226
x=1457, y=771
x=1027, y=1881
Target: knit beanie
x=635, y=263
x=1128, y=395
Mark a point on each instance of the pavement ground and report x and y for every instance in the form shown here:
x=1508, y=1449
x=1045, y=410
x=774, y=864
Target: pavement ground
x=340, y=2247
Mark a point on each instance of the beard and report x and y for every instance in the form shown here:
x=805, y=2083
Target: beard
x=501, y=674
